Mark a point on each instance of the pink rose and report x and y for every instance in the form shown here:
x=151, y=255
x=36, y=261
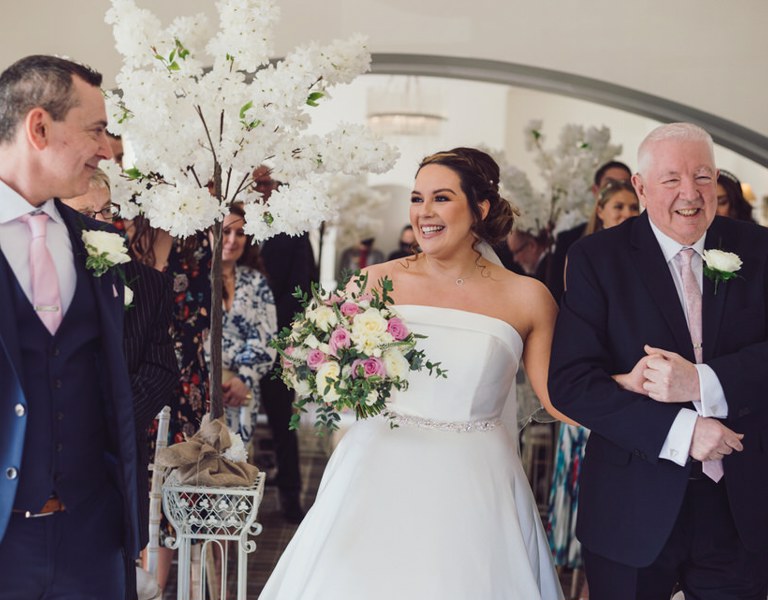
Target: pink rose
x=397, y=329
x=374, y=366
x=349, y=309
x=287, y=364
x=339, y=339
x=358, y=368
x=315, y=358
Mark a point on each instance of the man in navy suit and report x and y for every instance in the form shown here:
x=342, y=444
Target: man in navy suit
x=68, y=515
x=669, y=402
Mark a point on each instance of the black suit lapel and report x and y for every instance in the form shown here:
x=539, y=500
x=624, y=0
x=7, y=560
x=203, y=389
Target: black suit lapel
x=713, y=304
x=649, y=261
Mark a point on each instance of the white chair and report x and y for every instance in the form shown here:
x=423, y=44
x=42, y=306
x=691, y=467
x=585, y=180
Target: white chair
x=146, y=583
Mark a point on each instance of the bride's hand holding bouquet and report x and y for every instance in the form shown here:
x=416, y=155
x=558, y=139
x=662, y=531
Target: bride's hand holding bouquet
x=348, y=350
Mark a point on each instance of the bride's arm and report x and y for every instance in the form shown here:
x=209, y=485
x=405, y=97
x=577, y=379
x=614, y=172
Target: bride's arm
x=538, y=345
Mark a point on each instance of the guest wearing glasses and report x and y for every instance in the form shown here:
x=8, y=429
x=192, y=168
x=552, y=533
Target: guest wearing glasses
x=96, y=202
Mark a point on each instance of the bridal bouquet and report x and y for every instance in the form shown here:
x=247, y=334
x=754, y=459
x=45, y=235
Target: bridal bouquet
x=347, y=350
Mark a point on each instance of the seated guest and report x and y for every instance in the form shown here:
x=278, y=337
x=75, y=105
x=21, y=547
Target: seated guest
x=359, y=257
x=531, y=252
x=407, y=244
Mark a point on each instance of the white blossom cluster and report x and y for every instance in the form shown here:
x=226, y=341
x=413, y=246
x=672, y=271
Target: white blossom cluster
x=184, y=121
x=568, y=171
x=357, y=209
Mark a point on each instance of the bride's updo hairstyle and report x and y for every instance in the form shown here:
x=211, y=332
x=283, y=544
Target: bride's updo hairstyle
x=479, y=177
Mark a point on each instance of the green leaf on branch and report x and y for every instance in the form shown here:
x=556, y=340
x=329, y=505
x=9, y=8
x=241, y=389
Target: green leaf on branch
x=134, y=173
x=314, y=97
x=268, y=218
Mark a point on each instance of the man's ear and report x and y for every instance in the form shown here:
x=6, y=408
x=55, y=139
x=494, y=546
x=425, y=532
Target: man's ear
x=637, y=182
x=37, y=127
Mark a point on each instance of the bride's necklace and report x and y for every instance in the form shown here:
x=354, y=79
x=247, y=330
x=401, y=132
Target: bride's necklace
x=459, y=281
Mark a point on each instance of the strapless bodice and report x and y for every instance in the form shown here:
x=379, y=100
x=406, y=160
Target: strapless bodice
x=481, y=355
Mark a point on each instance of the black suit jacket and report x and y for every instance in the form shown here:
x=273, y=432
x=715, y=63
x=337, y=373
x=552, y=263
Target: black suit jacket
x=620, y=295
x=554, y=276
x=152, y=365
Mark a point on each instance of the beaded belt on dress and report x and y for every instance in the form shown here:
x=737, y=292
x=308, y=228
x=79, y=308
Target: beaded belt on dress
x=453, y=426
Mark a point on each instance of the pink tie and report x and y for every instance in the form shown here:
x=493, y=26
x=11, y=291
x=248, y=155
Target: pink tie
x=45, y=281
x=692, y=293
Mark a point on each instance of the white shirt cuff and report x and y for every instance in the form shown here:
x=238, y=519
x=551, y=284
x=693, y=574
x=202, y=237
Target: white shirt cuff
x=713, y=403
x=678, y=443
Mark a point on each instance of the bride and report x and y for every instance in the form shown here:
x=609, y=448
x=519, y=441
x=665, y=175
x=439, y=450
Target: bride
x=439, y=507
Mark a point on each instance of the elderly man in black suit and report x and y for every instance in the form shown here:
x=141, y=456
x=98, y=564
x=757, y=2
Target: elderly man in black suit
x=667, y=369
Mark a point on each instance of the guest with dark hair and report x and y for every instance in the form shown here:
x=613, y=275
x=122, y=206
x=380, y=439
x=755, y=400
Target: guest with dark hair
x=730, y=198
x=359, y=257
x=249, y=322
x=406, y=245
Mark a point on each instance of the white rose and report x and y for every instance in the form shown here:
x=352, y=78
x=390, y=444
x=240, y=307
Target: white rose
x=128, y=297
x=104, y=242
x=396, y=364
x=327, y=375
x=368, y=325
x=718, y=260
x=372, y=398
x=311, y=341
x=325, y=318
x=300, y=386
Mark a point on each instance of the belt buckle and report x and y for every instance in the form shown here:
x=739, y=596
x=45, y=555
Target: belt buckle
x=51, y=507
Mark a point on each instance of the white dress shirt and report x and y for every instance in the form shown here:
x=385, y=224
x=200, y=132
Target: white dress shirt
x=15, y=238
x=677, y=445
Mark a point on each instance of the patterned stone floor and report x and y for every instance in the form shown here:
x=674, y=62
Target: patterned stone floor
x=277, y=533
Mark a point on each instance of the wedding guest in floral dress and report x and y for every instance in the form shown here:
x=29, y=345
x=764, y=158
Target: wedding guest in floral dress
x=249, y=322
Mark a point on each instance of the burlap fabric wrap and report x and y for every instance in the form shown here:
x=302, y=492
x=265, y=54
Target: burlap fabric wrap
x=200, y=460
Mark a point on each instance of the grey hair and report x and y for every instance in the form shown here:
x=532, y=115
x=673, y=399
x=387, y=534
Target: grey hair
x=687, y=132
x=100, y=179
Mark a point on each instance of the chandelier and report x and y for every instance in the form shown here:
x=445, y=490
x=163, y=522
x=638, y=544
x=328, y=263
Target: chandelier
x=403, y=107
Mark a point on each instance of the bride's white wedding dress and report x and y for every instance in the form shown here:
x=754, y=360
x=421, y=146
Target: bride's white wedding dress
x=439, y=507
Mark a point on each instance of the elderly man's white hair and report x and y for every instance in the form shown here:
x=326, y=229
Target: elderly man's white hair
x=671, y=131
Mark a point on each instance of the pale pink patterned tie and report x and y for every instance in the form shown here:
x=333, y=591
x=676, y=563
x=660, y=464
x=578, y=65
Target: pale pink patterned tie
x=692, y=293
x=45, y=281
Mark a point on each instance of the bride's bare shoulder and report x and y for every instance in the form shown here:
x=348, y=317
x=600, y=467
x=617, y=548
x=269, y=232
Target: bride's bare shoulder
x=392, y=269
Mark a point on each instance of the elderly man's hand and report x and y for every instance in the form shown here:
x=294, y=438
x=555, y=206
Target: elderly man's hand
x=712, y=440
x=669, y=377
x=635, y=379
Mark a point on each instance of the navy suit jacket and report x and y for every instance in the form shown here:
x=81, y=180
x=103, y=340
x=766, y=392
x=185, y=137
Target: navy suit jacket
x=108, y=291
x=619, y=296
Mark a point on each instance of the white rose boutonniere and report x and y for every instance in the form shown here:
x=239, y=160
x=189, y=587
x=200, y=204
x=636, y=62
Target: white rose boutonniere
x=721, y=266
x=128, y=297
x=105, y=250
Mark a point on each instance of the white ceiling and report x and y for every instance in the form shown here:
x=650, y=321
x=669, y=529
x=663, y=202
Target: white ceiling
x=707, y=54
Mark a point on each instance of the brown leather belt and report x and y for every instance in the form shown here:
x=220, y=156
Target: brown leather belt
x=51, y=506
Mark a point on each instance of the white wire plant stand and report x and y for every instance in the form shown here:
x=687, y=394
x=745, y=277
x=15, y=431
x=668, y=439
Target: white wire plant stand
x=214, y=516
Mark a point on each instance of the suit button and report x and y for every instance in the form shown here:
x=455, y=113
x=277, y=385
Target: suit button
x=59, y=416
x=59, y=447
x=11, y=473
x=20, y=410
x=57, y=384
x=56, y=351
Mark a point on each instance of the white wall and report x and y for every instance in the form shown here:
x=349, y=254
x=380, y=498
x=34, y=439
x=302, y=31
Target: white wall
x=495, y=116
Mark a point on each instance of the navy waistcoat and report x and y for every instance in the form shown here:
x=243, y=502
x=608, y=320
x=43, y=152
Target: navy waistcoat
x=65, y=448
